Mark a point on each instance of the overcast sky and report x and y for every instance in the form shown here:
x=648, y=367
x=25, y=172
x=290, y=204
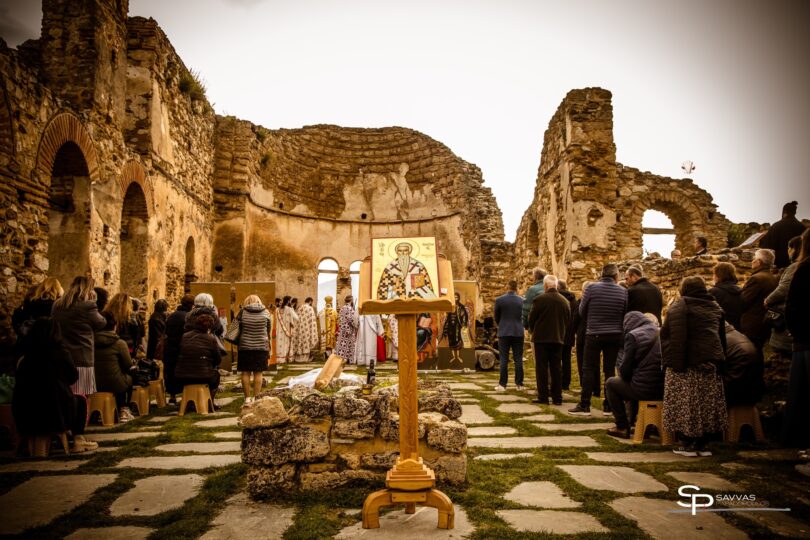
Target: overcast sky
x=721, y=83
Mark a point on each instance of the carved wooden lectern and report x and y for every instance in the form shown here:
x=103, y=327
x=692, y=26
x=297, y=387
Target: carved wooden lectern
x=410, y=481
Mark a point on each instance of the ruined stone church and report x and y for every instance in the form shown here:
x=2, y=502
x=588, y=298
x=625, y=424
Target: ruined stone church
x=113, y=163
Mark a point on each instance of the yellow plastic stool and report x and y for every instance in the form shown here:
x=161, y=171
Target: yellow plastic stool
x=650, y=413
x=140, y=398
x=740, y=416
x=200, y=395
x=157, y=390
x=40, y=445
x=104, y=404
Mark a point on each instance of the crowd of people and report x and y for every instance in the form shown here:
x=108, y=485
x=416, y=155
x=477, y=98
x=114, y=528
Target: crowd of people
x=701, y=355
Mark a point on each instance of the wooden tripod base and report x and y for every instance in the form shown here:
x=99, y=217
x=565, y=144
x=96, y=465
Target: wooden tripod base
x=392, y=497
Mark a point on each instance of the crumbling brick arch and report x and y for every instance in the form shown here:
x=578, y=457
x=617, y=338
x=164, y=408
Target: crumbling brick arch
x=7, y=146
x=684, y=215
x=64, y=127
x=133, y=172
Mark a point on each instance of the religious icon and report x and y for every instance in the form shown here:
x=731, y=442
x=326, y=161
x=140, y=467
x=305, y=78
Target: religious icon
x=404, y=268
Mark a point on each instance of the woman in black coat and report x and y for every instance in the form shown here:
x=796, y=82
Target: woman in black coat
x=157, y=328
x=692, y=345
x=727, y=293
x=199, y=356
x=43, y=403
x=175, y=328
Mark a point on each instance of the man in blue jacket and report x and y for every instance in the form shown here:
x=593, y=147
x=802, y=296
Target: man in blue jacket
x=603, y=306
x=508, y=313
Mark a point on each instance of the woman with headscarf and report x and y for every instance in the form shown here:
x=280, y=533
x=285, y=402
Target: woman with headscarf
x=693, y=347
x=77, y=316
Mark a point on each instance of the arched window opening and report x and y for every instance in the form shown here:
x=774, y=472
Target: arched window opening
x=657, y=234
x=134, y=242
x=69, y=215
x=354, y=274
x=327, y=282
x=533, y=239
x=191, y=275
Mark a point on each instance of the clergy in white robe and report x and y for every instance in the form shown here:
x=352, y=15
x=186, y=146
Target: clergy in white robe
x=285, y=334
x=370, y=327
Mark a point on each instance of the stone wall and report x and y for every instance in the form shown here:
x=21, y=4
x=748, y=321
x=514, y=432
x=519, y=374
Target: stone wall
x=87, y=186
x=302, y=439
x=587, y=208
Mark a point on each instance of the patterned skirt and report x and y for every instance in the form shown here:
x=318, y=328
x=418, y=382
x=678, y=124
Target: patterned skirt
x=694, y=403
x=86, y=384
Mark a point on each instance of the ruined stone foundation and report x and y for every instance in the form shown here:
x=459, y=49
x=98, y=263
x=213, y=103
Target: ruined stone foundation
x=300, y=439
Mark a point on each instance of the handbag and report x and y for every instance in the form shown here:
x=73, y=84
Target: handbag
x=234, y=329
x=776, y=319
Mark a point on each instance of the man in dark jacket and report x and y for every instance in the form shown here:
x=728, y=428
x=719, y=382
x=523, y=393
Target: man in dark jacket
x=570, y=333
x=549, y=320
x=797, y=319
x=642, y=295
x=781, y=232
x=742, y=370
x=175, y=324
x=761, y=283
x=603, y=305
x=727, y=293
x=508, y=311
x=641, y=377
x=199, y=356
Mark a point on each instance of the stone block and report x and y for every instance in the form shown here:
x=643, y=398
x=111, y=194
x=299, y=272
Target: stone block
x=446, y=405
x=316, y=405
x=379, y=461
x=355, y=428
x=450, y=469
x=331, y=480
x=265, y=481
x=347, y=406
x=276, y=446
x=265, y=412
x=450, y=436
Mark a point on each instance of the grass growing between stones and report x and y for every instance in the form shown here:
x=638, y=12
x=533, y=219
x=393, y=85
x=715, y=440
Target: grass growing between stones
x=324, y=514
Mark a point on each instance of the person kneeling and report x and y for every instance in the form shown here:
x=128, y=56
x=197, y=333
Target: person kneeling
x=199, y=356
x=640, y=375
x=113, y=366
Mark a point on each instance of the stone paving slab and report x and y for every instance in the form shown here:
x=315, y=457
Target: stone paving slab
x=111, y=533
x=577, y=441
x=705, y=481
x=201, y=447
x=587, y=426
x=803, y=468
x=779, y=454
x=159, y=419
x=221, y=402
x=43, y=466
x=519, y=408
x=543, y=417
x=157, y=494
x=638, y=457
x=40, y=500
x=229, y=421
x=473, y=414
x=244, y=519
x=551, y=521
x=779, y=523
x=422, y=525
x=654, y=517
x=464, y=386
x=468, y=401
x=540, y=495
x=228, y=435
x=501, y=457
x=490, y=430
x=508, y=398
x=180, y=462
x=127, y=436
x=621, y=479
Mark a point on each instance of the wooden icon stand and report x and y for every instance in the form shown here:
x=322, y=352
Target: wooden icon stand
x=410, y=481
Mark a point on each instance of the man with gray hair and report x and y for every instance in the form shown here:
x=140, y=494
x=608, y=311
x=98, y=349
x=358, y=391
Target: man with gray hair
x=603, y=306
x=761, y=283
x=548, y=322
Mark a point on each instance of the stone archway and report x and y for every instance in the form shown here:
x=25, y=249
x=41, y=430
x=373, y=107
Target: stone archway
x=686, y=217
x=134, y=242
